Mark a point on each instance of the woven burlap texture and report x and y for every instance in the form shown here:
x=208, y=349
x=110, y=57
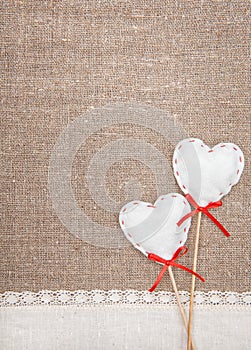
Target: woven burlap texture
x=63, y=58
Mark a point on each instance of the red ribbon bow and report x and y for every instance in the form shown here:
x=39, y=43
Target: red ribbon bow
x=205, y=211
x=179, y=252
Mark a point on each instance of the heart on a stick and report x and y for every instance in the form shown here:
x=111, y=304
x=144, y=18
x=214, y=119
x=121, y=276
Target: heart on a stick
x=152, y=228
x=207, y=174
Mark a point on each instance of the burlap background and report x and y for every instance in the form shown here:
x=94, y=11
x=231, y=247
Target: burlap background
x=60, y=59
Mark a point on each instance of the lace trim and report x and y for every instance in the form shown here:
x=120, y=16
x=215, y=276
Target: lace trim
x=120, y=297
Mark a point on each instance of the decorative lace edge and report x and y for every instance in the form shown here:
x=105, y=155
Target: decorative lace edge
x=122, y=297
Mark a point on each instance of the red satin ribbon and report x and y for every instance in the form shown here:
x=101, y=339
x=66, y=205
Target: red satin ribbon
x=180, y=252
x=205, y=211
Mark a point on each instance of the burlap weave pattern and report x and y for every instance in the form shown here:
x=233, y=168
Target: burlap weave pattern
x=62, y=58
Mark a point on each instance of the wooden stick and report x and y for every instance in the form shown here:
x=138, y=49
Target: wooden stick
x=182, y=312
x=196, y=246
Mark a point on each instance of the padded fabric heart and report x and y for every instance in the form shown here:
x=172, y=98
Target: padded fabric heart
x=153, y=228
x=207, y=174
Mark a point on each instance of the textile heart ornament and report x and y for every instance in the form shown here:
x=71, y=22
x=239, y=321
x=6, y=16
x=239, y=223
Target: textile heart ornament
x=152, y=229
x=207, y=174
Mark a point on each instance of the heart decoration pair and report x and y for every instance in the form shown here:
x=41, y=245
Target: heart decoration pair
x=160, y=230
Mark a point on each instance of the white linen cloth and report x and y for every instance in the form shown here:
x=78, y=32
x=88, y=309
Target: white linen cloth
x=122, y=324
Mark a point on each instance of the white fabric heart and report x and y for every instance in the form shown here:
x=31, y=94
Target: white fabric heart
x=153, y=228
x=207, y=174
